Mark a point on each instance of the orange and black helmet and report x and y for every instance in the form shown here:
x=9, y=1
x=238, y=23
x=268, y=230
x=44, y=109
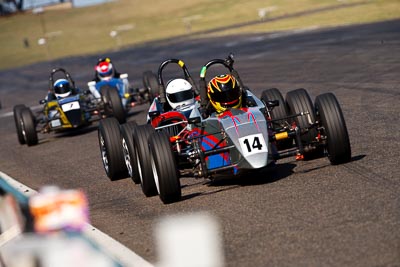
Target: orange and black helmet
x=224, y=92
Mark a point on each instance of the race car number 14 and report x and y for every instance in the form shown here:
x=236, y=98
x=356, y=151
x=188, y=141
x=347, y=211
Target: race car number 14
x=253, y=144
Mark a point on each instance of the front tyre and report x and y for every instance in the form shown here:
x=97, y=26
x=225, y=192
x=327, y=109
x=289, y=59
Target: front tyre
x=164, y=168
x=331, y=118
x=150, y=83
x=17, y=118
x=28, y=126
x=115, y=103
x=112, y=103
x=111, y=149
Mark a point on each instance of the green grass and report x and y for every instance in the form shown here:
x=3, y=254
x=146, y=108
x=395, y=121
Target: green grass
x=87, y=30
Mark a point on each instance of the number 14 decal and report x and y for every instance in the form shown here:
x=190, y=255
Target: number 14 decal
x=253, y=144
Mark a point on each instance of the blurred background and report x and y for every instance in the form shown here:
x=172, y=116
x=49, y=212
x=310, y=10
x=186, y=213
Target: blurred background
x=40, y=30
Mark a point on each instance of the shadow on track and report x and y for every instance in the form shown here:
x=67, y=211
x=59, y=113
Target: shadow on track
x=224, y=183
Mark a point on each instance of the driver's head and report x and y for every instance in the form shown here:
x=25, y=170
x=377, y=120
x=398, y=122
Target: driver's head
x=224, y=92
x=179, y=93
x=104, y=69
x=62, y=88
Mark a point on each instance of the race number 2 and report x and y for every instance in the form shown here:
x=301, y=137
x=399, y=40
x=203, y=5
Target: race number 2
x=253, y=144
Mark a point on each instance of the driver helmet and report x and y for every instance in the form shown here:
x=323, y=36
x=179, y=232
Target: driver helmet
x=224, y=92
x=104, y=69
x=62, y=88
x=179, y=93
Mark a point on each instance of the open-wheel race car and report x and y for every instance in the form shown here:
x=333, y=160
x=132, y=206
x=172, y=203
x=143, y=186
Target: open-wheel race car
x=64, y=108
x=240, y=139
x=110, y=97
x=116, y=97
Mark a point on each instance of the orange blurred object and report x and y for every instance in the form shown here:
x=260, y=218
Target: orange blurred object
x=54, y=210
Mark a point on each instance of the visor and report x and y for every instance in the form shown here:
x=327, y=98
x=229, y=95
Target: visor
x=180, y=96
x=62, y=88
x=226, y=97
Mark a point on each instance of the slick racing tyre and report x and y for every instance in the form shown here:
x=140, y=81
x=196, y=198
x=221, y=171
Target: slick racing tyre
x=28, y=126
x=150, y=83
x=299, y=101
x=105, y=99
x=111, y=149
x=280, y=111
x=140, y=140
x=128, y=149
x=115, y=102
x=17, y=118
x=112, y=103
x=164, y=168
x=331, y=117
x=104, y=93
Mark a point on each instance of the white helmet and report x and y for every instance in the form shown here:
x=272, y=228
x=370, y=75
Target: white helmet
x=179, y=93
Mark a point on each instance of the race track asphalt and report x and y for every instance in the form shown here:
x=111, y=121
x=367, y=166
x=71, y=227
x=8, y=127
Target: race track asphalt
x=306, y=213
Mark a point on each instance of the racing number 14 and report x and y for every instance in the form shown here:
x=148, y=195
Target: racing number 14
x=256, y=144
x=253, y=144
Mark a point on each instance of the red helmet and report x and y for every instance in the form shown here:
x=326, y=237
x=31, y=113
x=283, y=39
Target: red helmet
x=104, y=69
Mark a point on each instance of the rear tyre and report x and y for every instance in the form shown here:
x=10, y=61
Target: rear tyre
x=277, y=112
x=27, y=122
x=17, y=118
x=140, y=139
x=111, y=149
x=128, y=149
x=331, y=117
x=164, y=168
